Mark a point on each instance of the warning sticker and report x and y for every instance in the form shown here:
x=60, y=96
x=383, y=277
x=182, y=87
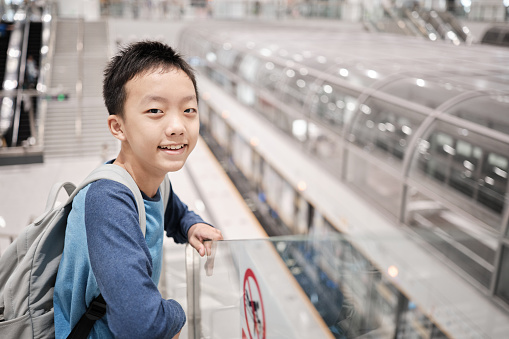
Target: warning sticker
x=253, y=307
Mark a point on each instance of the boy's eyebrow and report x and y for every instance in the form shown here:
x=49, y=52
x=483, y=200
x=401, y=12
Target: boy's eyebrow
x=150, y=98
x=157, y=98
x=188, y=98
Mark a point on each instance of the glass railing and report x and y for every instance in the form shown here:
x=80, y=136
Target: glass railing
x=302, y=287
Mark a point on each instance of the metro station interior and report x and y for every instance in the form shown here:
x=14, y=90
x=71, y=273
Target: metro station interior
x=354, y=154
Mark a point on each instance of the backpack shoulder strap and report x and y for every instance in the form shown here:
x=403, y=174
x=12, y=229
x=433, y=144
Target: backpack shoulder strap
x=164, y=189
x=118, y=174
x=95, y=311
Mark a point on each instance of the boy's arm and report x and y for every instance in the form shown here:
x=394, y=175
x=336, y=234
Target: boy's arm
x=186, y=226
x=122, y=266
x=178, y=220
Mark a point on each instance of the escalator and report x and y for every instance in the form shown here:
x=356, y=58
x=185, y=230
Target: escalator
x=5, y=34
x=29, y=101
x=417, y=21
x=439, y=25
x=20, y=47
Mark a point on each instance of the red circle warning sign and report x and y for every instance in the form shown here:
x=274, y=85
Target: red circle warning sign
x=253, y=306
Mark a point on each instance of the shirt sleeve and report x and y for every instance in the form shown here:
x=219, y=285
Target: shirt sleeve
x=178, y=219
x=122, y=266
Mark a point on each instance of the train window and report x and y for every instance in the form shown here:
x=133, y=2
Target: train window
x=384, y=128
x=494, y=182
x=427, y=92
x=491, y=36
x=333, y=105
x=489, y=111
x=502, y=289
x=472, y=167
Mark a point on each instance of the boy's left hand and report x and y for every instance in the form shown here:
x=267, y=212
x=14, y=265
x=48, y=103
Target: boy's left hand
x=199, y=233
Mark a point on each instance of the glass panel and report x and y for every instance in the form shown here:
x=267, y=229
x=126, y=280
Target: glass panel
x=266, y=106
x=466, y=169
x=332, y=105
x=298, y=84
x=286, y=206
x=325, y=145
x=204, y=112
x=374, y=181
x=248, y=67
x=219, y=129
x=427, y=92
x=489, y=111
x=241, y=154
x=300, y=287
x=246, y=94
x=270, y=76
x=385, y=129
x=271, y=184
x=227, y=56
x=357, y=75
x=461, y=240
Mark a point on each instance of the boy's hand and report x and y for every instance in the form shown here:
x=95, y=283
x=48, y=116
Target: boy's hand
x=199, y=233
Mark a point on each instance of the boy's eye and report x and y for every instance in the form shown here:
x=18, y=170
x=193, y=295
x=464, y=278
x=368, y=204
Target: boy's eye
x=154, y=110
x=190, y=110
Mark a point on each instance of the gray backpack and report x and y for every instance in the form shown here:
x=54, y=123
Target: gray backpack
x=28, y=268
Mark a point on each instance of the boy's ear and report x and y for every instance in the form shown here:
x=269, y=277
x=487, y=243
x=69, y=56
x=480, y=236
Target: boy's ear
x=116, y=126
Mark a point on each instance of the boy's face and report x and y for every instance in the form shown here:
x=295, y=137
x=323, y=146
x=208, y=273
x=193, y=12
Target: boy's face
x=160, y=126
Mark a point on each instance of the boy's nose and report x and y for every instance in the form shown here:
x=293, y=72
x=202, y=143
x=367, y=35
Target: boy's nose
x=175, y=126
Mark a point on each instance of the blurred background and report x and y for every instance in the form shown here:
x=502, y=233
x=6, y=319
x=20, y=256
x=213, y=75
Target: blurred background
x=354, y=154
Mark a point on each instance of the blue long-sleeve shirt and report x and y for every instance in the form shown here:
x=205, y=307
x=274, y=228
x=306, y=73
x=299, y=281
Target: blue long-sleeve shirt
x=105, y=252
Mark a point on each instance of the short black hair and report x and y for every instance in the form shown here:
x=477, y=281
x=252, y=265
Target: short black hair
x=136, y=59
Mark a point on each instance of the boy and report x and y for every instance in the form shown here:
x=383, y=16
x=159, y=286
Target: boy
x=150, y=93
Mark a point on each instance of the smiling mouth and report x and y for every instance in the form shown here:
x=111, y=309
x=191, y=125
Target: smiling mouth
x=173, y=147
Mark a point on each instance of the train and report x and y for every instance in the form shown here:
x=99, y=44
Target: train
x=333, y=130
